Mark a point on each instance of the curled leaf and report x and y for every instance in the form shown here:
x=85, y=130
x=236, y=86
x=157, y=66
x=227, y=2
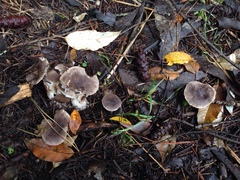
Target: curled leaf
x=49, y=153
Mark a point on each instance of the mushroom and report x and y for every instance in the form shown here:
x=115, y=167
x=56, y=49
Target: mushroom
x=61, y=68
x=199, y=95
x=51, y=82
x=77, y=85
x=111, y=102
x=39, y=70
x=56, y=132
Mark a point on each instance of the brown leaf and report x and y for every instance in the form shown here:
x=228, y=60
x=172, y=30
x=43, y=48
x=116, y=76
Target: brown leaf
x=213, y=113
x=49, y=153
x=75, y=121
x=192, y=66
x=166, y=145
x=158, y=73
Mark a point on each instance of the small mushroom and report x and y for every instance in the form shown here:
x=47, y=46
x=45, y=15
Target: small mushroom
x=199, y=95
x=51, y=82
x=56, y=132
x=61, y=68
x=38, y=71
x=111, y=102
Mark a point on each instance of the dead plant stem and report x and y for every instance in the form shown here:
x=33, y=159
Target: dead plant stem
x=129, y=46
x=139, y=144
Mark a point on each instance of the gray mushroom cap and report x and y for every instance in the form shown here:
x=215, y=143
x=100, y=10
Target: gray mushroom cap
x=76, y=79
x=55, y=132
x=111, y=102
x=199, y=95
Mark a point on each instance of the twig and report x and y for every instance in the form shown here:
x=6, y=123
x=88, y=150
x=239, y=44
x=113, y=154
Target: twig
x=209, y=43
x=129, y=46
x=220, y=156
x=129, y=4
x=165, y=170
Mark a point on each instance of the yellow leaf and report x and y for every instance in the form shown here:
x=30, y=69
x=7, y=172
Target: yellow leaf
x=75, y=121
x=49, y=153
x=177, y=57
x=121, y=120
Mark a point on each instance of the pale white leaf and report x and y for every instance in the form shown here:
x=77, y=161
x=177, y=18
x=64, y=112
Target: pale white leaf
x=80, y=17
x=90, y=39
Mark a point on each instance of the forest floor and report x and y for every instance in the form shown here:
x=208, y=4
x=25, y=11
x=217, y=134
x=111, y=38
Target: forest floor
x=157, y=133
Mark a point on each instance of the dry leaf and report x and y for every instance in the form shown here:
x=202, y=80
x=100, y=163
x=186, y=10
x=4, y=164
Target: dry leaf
x=177, y=57
x=90, y=39
x=166, y=145
x=192, y=66
x=158, y=73
x=75, y=121
x=214, y=112
x=49, y=153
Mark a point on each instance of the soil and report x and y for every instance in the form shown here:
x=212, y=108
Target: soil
x=167, y=141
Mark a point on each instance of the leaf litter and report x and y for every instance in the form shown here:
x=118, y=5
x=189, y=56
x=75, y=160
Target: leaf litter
x=153, y=107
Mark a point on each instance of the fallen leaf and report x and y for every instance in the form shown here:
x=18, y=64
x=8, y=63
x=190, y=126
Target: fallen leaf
x=213, y=112
x=166, y=145
x=90, y=39
x=108, y=18
x=49, y=153
x=177, y=57
x=192, y=66
x=226, y=65
x=75, y=121
x=210, y=114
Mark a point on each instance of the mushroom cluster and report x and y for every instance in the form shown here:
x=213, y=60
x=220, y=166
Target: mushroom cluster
x=65, y=84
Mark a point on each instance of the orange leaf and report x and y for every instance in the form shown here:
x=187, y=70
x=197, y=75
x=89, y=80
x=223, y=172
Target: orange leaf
x=75, y=121
x=192, y=66
x=49, y=153
x=177, y=57
x=73, y=54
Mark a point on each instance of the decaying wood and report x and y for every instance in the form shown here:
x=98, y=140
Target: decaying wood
x=24, y=91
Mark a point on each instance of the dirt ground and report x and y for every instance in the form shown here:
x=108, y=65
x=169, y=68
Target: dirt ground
x=156, y=133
